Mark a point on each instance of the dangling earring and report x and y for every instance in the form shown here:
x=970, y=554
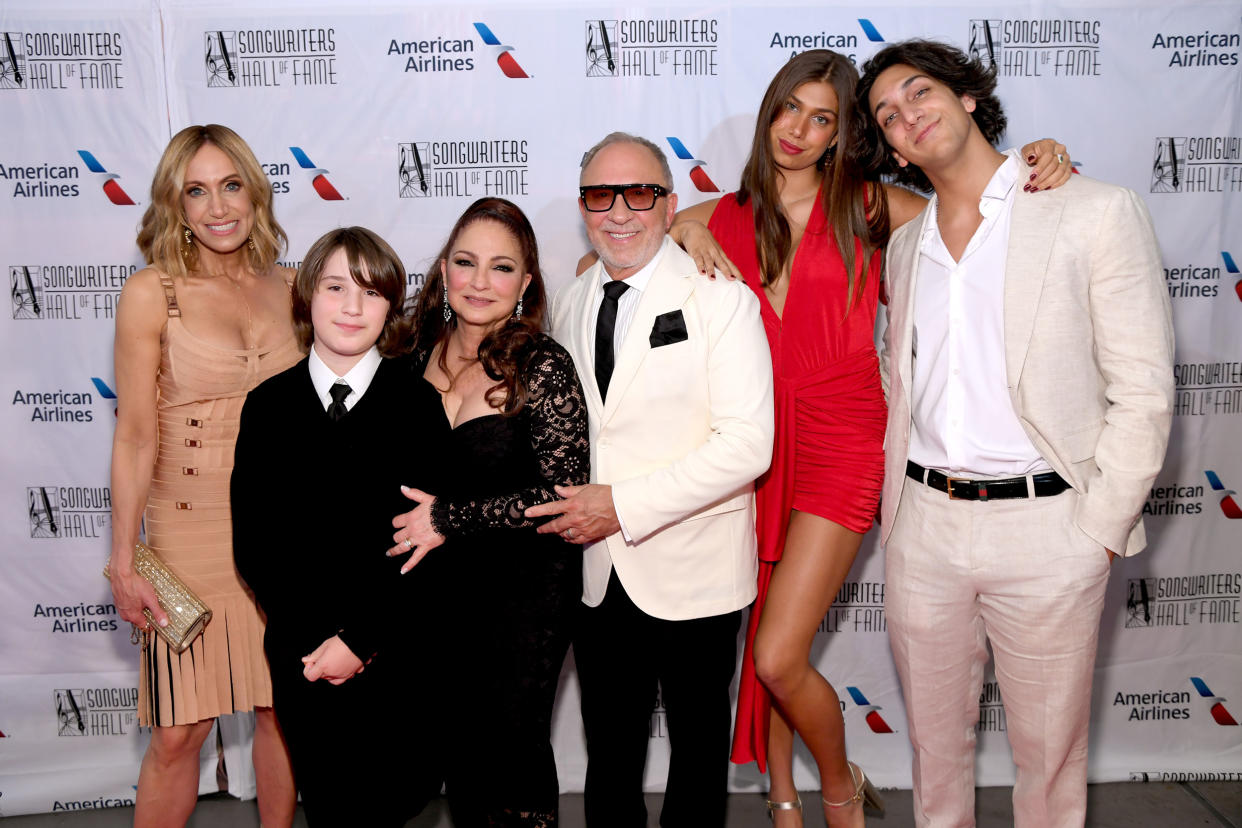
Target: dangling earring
x=825, y=160
x=448, y=312
x=517, y=312
x=189, y=237
x=250, y=241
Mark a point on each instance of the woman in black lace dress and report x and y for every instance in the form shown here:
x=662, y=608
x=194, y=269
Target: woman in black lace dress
x=519, y=428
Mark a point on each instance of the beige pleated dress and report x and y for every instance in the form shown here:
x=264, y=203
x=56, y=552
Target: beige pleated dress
x=201, y=391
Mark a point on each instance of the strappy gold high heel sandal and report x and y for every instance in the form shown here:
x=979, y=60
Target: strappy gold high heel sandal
x=864, y=792
x=794, y=805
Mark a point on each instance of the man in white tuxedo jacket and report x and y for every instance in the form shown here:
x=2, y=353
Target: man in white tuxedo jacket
x=678, y=381
x=1028, y=363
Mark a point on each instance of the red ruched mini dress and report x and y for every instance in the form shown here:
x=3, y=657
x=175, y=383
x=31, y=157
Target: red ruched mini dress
x=828, y=457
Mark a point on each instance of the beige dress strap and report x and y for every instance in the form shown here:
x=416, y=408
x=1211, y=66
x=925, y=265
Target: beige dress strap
x=170, y=295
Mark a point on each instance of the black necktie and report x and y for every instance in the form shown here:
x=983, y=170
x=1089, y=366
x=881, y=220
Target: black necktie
x=605, y=324
x=337, y=410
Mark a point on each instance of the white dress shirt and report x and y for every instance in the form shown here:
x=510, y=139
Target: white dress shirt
x=962, y=418
x=627, y=304
x=358, y=378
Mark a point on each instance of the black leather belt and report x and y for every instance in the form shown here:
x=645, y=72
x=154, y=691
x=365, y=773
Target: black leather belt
x=1046, y=484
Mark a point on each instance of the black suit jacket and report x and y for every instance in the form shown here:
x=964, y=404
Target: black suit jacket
x=313, y=501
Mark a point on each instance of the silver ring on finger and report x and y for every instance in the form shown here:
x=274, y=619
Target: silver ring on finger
x=1060, y=158
x=409, y=544
x=569, y=533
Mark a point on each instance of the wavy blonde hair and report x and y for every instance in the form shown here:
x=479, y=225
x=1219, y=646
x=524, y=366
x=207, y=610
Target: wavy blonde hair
x=161, y=235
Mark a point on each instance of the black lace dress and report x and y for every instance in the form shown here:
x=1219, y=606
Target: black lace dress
x=514, y=595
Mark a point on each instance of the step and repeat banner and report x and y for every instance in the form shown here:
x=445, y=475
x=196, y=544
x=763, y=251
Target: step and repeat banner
x=397, y=116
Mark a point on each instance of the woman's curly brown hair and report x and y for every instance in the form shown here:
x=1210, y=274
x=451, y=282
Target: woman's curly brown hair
x=506, y=351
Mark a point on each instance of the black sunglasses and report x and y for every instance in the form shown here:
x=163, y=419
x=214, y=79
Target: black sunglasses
x=599, y=198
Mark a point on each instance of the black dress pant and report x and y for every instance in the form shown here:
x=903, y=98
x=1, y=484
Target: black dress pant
x=624, y=657
x=366, y=752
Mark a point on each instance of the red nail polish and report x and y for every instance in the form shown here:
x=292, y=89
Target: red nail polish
x=1026, y=188
x=1032, y=177
x=1030, y=159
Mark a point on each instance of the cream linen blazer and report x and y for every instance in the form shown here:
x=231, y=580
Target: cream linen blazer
x=686, y=430
x=1088, y=350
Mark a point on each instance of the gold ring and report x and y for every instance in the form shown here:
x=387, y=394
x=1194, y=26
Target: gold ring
x=408, y=543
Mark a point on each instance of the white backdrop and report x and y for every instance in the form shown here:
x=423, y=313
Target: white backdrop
x=397, y=116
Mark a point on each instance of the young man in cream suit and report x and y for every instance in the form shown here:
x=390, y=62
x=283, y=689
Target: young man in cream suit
x=678, y=380
x=1028, y=360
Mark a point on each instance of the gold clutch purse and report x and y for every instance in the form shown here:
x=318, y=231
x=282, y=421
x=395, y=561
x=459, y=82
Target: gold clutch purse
x=187, y=615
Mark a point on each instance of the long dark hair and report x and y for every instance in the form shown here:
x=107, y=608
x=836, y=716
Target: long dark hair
x=504, y=352
x=847, y=197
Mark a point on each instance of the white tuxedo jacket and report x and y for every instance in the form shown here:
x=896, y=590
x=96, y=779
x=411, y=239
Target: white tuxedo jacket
x=686, y=430
x=1088, y=350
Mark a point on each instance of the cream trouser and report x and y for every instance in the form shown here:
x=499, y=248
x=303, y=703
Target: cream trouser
x=1020, y=575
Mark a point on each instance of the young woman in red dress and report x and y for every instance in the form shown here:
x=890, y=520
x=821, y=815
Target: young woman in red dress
x=805, y=231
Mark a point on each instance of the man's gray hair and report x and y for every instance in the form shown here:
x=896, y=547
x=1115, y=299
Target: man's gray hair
x=626, y=138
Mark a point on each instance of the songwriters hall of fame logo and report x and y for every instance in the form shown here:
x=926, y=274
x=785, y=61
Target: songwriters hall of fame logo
x=70, y=719
x=462, y=169
x=96, y=711
x=221, y=52
x=1184, y=600
x=43, y=507
x=602, y=59
x=1036, y=47
x=650, y=48
x=1197, y=164
x=1208, y=389
x=412, y=171
x=26, y=291
x=61, y=60
x=69, y=511
x=14, y=73
x=984, y=42
x=66, y=292
x=858, y=607
x=270, y=57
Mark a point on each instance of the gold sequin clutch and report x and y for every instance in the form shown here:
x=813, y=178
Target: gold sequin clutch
x=187, y=615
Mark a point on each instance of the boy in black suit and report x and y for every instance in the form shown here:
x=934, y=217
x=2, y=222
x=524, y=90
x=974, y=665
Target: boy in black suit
x=323, y=450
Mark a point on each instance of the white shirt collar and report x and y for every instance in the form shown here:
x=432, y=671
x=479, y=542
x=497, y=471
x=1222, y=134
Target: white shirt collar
x=358, y=378
x=1000, y=188
x=639, y=280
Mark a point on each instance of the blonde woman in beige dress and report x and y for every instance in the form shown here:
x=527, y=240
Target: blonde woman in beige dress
x=207, y=321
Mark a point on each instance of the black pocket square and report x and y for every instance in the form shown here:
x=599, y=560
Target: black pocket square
x=668, y=328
